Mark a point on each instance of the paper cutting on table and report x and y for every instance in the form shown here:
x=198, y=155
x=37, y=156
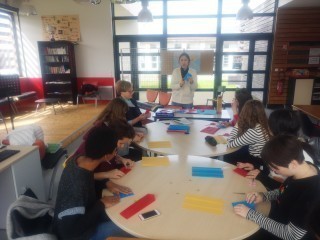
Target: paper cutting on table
x=155, y=161
x=159, y=144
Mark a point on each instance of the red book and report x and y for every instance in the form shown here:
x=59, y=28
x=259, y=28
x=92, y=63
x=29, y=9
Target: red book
x=240, y=171
x=137, y=206
x=210, y=130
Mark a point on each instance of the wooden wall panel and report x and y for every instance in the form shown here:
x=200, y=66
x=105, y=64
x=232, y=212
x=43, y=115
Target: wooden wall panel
x=296, y=31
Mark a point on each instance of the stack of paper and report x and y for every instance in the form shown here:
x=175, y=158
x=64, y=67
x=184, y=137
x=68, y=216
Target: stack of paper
x=154, y=161
x=207, y=172
x=204, y=204
x=165, y=112
x=182, y=121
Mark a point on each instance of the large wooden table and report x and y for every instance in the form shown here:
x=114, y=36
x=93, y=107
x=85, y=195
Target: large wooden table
x=310, y=110
x=170, y=184
x=223, y=116
x=185, y=144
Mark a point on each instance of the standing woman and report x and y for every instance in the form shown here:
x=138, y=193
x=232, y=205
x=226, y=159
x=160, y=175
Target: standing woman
x=183, y=83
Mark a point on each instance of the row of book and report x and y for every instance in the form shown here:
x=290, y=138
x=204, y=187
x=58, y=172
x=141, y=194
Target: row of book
x=57, y=59
x=60, y=50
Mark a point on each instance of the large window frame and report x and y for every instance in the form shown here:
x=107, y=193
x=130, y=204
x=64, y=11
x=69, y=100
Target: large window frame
x=219, y=36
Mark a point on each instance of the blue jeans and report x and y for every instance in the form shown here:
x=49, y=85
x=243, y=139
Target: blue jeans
x=108, y=229
x=184, y=106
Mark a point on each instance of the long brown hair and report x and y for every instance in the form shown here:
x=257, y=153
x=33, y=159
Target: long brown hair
x=114, y=111
x=253, y=113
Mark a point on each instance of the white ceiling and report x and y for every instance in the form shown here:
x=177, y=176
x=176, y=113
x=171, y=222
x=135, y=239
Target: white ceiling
x=299, y=3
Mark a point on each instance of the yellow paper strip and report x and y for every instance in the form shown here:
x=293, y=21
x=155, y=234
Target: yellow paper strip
x=204, y=204
x=220, y=139
x=154, y=161
x=159, y=144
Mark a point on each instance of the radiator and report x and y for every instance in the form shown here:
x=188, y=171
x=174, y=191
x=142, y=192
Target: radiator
x=105, y=92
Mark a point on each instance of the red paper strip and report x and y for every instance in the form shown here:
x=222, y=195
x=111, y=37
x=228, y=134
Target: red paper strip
x=210, y=130
x=240, y=171
x=125, y=170
x=137, y=206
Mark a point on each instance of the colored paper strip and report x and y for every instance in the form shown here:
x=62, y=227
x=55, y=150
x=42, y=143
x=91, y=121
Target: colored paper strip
x=249, y=205
x=159, y=144
x=155, y=161
x=138, y=205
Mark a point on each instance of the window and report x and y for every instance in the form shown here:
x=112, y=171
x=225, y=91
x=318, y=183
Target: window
x=9, y=54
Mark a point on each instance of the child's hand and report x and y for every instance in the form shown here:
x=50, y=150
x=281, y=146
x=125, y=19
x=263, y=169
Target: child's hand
x=254, y=197
x=241, y=210
x=110, y=201
x=115, y=188
x=128, y=163
x=138, y=137
x=114, y=174
x=245, y=166
x=181, y=83
x=253, y=174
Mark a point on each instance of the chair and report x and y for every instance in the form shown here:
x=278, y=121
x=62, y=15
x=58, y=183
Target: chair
x=4, y=121
x=164, y=98
x=152, y=95
x=309, y=129
x=30, y=218
x=89, y=90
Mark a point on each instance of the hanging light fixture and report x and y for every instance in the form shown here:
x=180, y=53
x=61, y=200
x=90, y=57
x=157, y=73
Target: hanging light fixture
x=26, y=9
x=245, y=12
x=145, y=15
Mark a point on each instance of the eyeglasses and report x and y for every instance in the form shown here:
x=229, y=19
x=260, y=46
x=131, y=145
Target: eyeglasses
x=130, y=91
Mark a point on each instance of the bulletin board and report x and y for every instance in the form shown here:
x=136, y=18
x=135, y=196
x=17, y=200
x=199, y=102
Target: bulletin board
x=200, y=60
x=67, y=27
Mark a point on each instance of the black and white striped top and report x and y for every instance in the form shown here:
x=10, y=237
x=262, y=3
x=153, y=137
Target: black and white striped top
x=253, y=137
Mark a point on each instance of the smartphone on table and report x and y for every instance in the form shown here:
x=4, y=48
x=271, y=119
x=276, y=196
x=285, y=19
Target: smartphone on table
x=148, y=215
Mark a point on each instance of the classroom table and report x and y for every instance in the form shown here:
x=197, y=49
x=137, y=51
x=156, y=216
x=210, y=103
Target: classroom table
x=170, y=184
x=223, y=116
x=310, y=110
x=185, y=144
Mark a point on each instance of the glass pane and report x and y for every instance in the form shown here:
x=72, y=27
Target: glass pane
x=200, y=98
x=234, y=80
x=192, y=7
x=205, y=81
x=260, y=62
x=149, y=80
x=258, y=80
x=126, y=77
x=192, y=25
x=133, y=9
x=258, y=6
x=257, y=95
x=191, y=43
x=261, y=46
x=256, y=25
x=149, y=63
x=124, y=47
x=236, y=46
x=125, y=63
x=148, y=47
x=236, y=62
x=132, y=27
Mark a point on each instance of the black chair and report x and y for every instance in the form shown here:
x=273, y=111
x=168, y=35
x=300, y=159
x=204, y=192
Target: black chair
x=309, y=129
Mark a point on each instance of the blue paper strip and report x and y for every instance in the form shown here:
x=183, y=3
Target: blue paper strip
x=249, y=205
x=207, y=172
x=123, y=195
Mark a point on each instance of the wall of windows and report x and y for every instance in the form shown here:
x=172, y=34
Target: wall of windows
x=10, y=54
x=242, y=48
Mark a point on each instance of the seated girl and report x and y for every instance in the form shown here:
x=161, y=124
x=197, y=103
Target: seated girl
x=250, y=133
x=292, y=202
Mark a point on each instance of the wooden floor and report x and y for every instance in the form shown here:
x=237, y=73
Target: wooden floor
x=64, y=127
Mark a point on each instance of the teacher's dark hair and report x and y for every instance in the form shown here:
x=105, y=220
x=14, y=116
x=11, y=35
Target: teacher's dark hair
x=186, y=55
x=281, y=150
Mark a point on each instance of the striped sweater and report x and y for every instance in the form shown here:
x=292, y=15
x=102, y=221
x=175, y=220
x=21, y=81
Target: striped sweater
x=253, y=137
x=292, y=202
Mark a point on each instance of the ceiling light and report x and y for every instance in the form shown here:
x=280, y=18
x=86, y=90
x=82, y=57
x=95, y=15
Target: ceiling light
x=145, y=15
x=26, y=9
x=245, y=12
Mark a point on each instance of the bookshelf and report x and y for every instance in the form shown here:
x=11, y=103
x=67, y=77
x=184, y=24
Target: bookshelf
x=58, y=69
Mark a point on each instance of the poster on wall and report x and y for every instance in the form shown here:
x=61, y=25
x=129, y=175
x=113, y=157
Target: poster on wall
x=63, y=27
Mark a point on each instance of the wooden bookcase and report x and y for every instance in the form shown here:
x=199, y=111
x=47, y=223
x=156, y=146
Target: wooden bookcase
x=58, y=69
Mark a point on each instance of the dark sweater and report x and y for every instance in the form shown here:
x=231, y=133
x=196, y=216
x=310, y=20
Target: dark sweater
x=133, y=113
x=290, y=208
x=77, y=211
